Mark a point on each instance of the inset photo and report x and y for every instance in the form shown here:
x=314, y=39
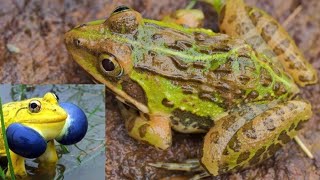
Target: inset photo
x=52, y=131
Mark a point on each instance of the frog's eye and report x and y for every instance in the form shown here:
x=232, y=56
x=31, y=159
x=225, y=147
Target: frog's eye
x=124, y=20
x=120, y=9
x=110, y=66
x=56, y=96
x=34, y=106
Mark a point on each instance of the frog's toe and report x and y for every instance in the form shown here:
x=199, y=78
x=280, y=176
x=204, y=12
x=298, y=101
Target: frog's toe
x=193, y=166
x=25, y=141
x=75, y=127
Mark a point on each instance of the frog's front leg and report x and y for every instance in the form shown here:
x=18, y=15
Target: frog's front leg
x=251, y=135
x=153, y=129
x=18, y=165
x=50, y=155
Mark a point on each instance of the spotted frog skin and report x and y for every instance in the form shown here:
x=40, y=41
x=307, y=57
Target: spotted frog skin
x=45, y=116
x=193, y=81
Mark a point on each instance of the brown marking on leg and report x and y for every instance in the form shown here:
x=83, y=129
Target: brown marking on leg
x=235, y=144
x=269, y=123
x=273, y=148
x=257, y=156
x=143, y=130
x=269, y=30
x=283, y=137
x=243, y=156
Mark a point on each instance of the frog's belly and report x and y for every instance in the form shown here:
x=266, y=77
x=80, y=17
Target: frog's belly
x=187, y=122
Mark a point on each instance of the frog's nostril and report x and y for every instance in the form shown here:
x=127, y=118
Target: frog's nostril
x=77, y=42
x=107, y=65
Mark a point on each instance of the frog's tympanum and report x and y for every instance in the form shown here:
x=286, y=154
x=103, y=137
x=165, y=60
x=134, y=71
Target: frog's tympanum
x=196, y=81
x=32, y=125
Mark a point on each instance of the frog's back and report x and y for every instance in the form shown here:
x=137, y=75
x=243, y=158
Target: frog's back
x=215, y=67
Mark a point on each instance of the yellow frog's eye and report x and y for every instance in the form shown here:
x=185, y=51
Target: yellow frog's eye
x=56, y=96
x=109, y=66
x=34, y=106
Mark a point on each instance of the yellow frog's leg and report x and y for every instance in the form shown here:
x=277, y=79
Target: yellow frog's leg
x=247, y=138
x=48, y=160
x=266, y=36
x=50, y=155
x=153, y=129
x=18, y=165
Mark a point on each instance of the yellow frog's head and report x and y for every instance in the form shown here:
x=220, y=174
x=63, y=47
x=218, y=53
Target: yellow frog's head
x=41, y=114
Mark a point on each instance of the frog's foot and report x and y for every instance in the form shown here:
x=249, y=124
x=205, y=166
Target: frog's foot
x=192, y=165
x=18, y=165
x=153, y=129
x=252, y=134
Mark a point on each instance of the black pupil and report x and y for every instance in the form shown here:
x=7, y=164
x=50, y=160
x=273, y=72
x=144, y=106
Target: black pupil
x=33, y=105
x=120, y=8
x=107, y=65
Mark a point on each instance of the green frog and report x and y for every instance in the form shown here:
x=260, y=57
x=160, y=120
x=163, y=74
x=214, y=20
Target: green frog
x=45, y=116
x=192, y=80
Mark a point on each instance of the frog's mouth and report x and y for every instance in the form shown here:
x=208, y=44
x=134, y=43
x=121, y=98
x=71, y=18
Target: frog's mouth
x=125, y=98
x=49, y=130
x=43, y=121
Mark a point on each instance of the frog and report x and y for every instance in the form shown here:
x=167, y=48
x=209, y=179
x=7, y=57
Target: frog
x=34, y=113
x=192, y=80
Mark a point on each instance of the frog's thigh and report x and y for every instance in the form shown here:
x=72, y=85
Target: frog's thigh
x=50, y=155
x=18, y=165
x=249, y=136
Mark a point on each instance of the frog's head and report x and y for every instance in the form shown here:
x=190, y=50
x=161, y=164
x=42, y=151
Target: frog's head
x=104, y=49
x=41, y=114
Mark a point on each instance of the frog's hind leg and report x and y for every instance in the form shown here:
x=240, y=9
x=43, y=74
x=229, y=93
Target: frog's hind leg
x=252, y=134
x=153, y=129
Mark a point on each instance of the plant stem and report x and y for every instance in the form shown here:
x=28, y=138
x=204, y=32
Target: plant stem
x=3, y=129
x=191, y=4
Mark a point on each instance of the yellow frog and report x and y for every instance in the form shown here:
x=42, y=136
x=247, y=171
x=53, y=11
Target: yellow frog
x=44, y=116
